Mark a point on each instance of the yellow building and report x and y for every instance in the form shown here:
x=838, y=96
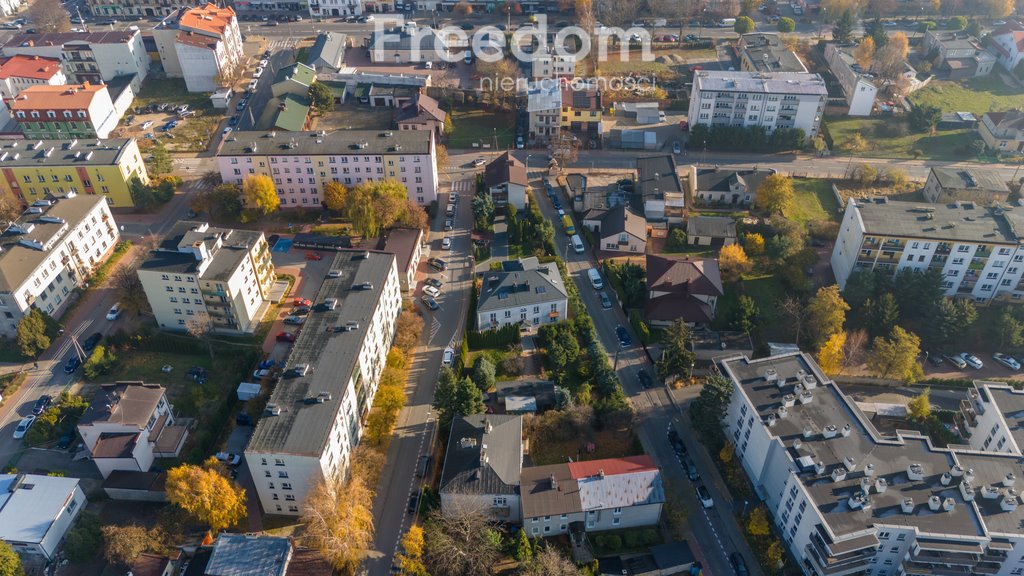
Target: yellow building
x=581, y=112
x=30, y=170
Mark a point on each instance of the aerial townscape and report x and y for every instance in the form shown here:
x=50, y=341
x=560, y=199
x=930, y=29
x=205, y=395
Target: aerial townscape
x=511, y=287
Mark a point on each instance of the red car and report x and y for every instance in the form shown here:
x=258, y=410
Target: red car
x=684, y=125
x=286, y=337
x=302, y=302
x=313, y=256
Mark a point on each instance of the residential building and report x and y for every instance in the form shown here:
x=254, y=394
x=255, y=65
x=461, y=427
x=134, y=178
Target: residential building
x=545, y=66
x=522, y=396
x=300, y=162
x=51, y=250
x=9, y=7
x=958, y=54
x=977, y=185
x=769, y=100
x=200, y=44
x=681, y=288
x=505, y=180
x=1008, y=43
x=990, y=417
x=129, y=424
x=315, y=418
x=524, y=292
x=847, y=498
x=642, y=112
x=93, y=57
x=714, y=231
x=590, y=496
x=760, y=52
x=37, y=511
x=544, y=124
x=137, y=9
x=407, y=45
x=581, y=113
x=1003, y=131
x=295, y=80
x=617, y=229
x=20, y=72
x=328, y=52
x=45, y=112
x=254, y=554
x=858, y=86
x=407, y=244
x=422, y=113
x=32, y=171
x=202, y=273
x=482, y=466
x=147, y=564
x=289, y=108
x=660, y=188
x=978, y=249
x=727, y=187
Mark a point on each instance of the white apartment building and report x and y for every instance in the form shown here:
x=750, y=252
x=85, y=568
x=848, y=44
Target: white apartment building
x=300, y=162
x=37, y=511
x=848, y=499
x=20, y=72
x=992, y=417
x=315, y=416
x=858, y=86
x=552, y=65
x=767, y=99
x=205, y=273
x=198, y=44
x=50, y=250
x=93, y=57
x=977, y=248
x=9, y=7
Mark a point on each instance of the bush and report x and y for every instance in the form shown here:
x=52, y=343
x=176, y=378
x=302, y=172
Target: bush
x=641, y=329
x=500, y=338
x=632, y=539
x=651, y=536
x=613, y=542
x=84, y=541
x=100, y=362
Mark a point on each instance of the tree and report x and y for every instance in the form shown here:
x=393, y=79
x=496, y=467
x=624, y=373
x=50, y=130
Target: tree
x=998, y=8
x=1010, y=330
x=321, y=97
x=957, y=23
x=550, y=562
x=745, y=314
x=31, y=333
x=974, y=28
x=339, y=520
x=786, y=25
x=48, y=16
x=875, y=29
x=831, y=356
x=865, y=174
x=826, y=314
x=123, y=544
x=757, y=522
x=456, y=397
x=917, y=292
x=842, y=32
x=881, y=314
x=259, y=195
x=410, y=559
x=101, y=361
x=753, y=243
x=864, y=52
x=10, y=562
x=161, y=162
x=206, y=494
x=775, y=195
x=483, y=211
x=794, y=309
x=744, y=25
x=483, y=373
x=924, y=117
x=920, y=407
x=415, y=217
x=676, y=241
x=773, y=555
x=335, y=196
x=708, y=409
x=523, y=551
x=463, y=9
x=896, y=356
x=950, y=318
x=461, y=542
x=727, y=453
x=733, y=262
x=408, y=330
x=889, y=60
x=128, y=288
x=200, y=328
x=677, y=354
x=223, y=201
x=84, y=541
x=387, y=403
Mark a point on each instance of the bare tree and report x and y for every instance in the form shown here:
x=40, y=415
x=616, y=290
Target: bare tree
x=201, y=328
x=128, y=288
x=855, y=347
x=564, y=148
x=794, y=310
x=48, y=16
x=10, y=208
x=230, y=75
x=550, y=562
x=462, y=542
x=339, y=521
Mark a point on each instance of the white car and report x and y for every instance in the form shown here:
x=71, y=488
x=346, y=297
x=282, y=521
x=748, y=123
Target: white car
x=263, y=63
x=705, y=497
x=479, y=162
x=449, y=355
x=1008, y=361
x=115, y=312
x=446, y=243
x=229, y=458
x=431, y=291
x=145, y=125
x=227, y=130
x=257, y=73
x=261, y=374
x=972, y=360
x=23, y=426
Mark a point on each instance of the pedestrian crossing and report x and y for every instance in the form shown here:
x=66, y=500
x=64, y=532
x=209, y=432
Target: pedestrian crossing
x=282, y=44
x=459, y=186
x=435, y=327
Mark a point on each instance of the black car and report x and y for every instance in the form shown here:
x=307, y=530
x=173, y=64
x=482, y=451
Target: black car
x=42, y=404
x=414, y=501
x=438, y=264
x=272, y=240
x=644, y=378
x=623, y=336
x=72, y=364
x=739, y=564
x=434, y=282
x=677, y=443
x=466, y=26
x=65, y=441
x=266, y=54
x=936, y=359
x=243, y=419
x=92, y=341
x=691, y=470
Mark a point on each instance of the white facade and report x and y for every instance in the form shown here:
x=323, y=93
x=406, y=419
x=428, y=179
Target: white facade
x=110, y=54
x=198, y=44
x=37, y=511
x=14, y=84
x=749, y=99
x=858, y=87
x=546, y=66
x=1008, y=42
x=335, y=8
x=200, y=66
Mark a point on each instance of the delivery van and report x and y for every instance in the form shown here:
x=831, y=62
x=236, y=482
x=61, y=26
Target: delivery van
x=577, y=244
x=595, y=278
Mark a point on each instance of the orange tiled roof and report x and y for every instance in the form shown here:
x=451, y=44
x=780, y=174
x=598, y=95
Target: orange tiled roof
x=44, y=97
x=22, y=66
x=208, y=18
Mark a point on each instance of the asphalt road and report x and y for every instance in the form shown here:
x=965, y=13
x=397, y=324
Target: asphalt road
x=250, y=116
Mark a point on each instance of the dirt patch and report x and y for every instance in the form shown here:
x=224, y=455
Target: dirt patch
x=355, y=116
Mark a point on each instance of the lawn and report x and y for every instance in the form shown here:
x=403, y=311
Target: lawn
x=890, y=138
x=767, y=291
x=171, y=91
x=607, y=444
x=356, y=117
x=813, y=200
x=977, y=95
x=477, y=126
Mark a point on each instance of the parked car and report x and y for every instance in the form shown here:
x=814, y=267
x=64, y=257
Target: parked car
x=446, y=243
x=42, y=404
x=114, y=312
x=431, y=291
x=23, y=427
x=972, y=360
x=677, y=443
x=431, y=303
x=294, y=320
x=935, y=360
x=449, y=355
x=691, y=470
x=739, y=564
x=90, y=343
x=676, y=148
x=955, y=361
x=644, y=378
x=286, y=337
x=301, y=311
x=705, y=496
x=606, y=302
x=1008, y=361
x=314, y=256
x=623, y=336
x=229, y=458
x=72, y=364
x=434, y=282
x=449, y=225
x=438, y=264
x=479, y=162
x=414, y=501
x=261, y=374
x=299, y=302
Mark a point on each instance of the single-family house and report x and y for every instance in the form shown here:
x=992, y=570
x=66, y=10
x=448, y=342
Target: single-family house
x=1008, y=43
x=714, y=231
x=521, y=396
x=660, y=188
x=946, y=185
x=958, y=54
x=482, y=466
x=328, y=52
x=725, y=187
x=858, y=85
x=37, y=511
x=618, y=229
x=422, y=113
x=523, y=292
x=1003, y=131
x=681, y=288
x=505, y=179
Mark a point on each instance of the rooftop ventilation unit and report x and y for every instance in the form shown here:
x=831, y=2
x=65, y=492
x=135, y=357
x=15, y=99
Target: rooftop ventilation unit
x=51, y=219
x=948, y=504
x=808, y=432
x=869, y=470
x=859, y=500
x=819, y=467
x=881, y=485
x=839, y=474
x=830, y=431
x=797, y=444
x=806, y=397
x=798, y=388
x=770, y=421
x=800, y=374
x=915, y=472
x=1009, y=479
x=969, y=476
x=946, y=479
x=1009, y=503
x=850, y=464
x=989, y=492
x=956, y=471
x=810, y=382
x=934, y=503
x=788, y=401
x=770, y=375
x=782, y=412
x=907, y=505
x=967, y=491
x=846, y=431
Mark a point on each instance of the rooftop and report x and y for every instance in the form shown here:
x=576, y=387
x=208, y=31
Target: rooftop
x=286, y=112
x=338, y=142
x=955, y=39
x=1010, y=122
x=329, y=344
x=224, y=249
x=66, y=97
x=656, y=175
x=713, y=226
x=35, y=67
x=591, y=485
x=421, y=108
x=532, y=283
x=209, y=19
x=760, y=82
x=123, y=403
x=30, y=504
x=767, y=54
x=402, y=243
x=297, y=72
x=484, y=456
x=683, y=275
x=245, y=555
x=505, y=169
x=721, y=179
x=62, y=38
x=619, y=219
x=958, y=221
x=841, y=459
x=329, y=49
x=63, y=152
x=1010, y=403
x=970, y=179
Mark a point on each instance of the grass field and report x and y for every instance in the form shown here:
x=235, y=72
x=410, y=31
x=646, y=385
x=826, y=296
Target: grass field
x=171, y=91
x=607, y=444
x=813, y=201
x=977, y=95
x=482, y=126
x=766, y=291
x=888, y=139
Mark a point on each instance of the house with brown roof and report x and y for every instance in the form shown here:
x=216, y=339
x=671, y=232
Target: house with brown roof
x=129, y=424
x=506, y=181
x=407, y=246
x=1003, y=131
x=1008, y=43
x=421, y=113
x=618, y=229
x=45, y=112
x=199, y=44
x=681, y=288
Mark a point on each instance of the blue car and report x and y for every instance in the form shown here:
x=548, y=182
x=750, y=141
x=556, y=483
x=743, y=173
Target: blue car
x=72, y=364
x=623, y=335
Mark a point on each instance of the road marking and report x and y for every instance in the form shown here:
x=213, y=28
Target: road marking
x=435, y=327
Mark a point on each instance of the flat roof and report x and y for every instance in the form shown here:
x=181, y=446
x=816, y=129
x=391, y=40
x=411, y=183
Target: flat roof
x=41, y=153
x=970, y=179
x=29, y=504
x=957, y=221
x=302, y=427
x=124, y=403
x=337, y=142
x=760, y=82
x=174, y=254
x=62, y=38
x=1010, y=403
x=657, y=175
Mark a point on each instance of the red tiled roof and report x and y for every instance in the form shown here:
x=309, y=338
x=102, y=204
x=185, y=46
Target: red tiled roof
x=197, y=40
x=149, y=565
x=675, y=307
x=21, y=66
x=45, y=97
x=1015, y=29
x=611, y=466
x=682, y=275
x=207, y=18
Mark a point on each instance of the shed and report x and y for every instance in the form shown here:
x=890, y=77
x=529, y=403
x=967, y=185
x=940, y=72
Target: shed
x=222, y=98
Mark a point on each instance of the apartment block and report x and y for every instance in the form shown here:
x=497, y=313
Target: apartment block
x=133, y=9
x=199, y=44
x=858, y=86
x=978, y=249
x=20, y=72
x=848, y=498
x=33, y=170
x=203, y=273
x=50, y=250
x=300, y=162
x=769, y=100
x=64, y=112
x=550, y=65
x=315, y=416
x=92, y=57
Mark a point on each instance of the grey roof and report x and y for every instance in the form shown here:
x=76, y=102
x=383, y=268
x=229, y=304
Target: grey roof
x=970, y=179
x=720, y=179
x=302, y=428
x=338, y=142
x=505, y=169
x=17, y=261
x=395, y=40
x=619, y=219
x=889, y=456
x=673, y=555
x=463, y=471
x=31, y=505
x=245, y=555
x=958, y=221
x=1008, y=124
x=591, y=485
x=174, y=252
x=955, y=39
x=533, y=284
x=62, y=152
x=1011, y=406
x=61, y=38
x=124, y=403
x=328, y=51
x=767, y=54
x=402, y=243
x=657, y=175
x=713, y=226
x=760, y=82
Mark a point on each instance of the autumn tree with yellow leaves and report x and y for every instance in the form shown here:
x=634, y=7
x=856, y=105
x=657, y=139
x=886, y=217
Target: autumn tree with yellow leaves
x=733, y=262
x=339, y=521
x=206, y=494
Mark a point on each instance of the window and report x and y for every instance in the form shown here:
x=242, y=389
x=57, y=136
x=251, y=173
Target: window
x=616, y=521
x=617, y=511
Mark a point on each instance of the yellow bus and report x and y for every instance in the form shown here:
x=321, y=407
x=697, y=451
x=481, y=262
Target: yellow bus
x=567, y=224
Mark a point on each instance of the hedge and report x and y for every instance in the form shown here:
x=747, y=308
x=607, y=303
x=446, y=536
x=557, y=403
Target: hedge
x=500, y=338
x=641, y=329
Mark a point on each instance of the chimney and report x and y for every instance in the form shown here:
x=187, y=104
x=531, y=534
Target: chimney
x=600, y=473
x=907, y=505
x=915, y=471
x=487, y=426
x=554, y=483
x=483, y=455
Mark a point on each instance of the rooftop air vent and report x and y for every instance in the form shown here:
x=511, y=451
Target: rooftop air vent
x=869, y=470
x=850, y=464
x=810, y=382
x=989, y=492
x=830, y=431
x=967, y=491
x=806, y=397
x=819, y=467
x=770, y=421
x=1009, y=479
x=788, y=401
x=808, y=432
x=969, y=476
x=956, y=471
x=915, y=471
x=845, y=431
x=770, y=375
x=948, y=504
x=945, y=479
x=839, y=474
x=859, y=500
x=881, y=485
x=782, y=412
x=1009, y=503
x=934, y=503
x=907, y=505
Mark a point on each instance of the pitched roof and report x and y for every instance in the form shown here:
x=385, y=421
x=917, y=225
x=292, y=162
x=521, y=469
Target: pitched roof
x=209, y=18
x=306, y=562
x=291, y=112
x=591, y=485
x=1008, y=121
x=1015, y=29
x=714, y=226
x=423, y=108
x=683, y=275
x=298, y=72
x=673, y=307
x=245, y=555
x=124, y=403
x=527, y=285
x=505, y=169
x=30, y=505
x=484, y=456
x=619, y=219
x=328, y=50
x=720, y=179
x=115, y=445
x=46, y=97
x=147, y=564
x=35, y=67
x=196, y=40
